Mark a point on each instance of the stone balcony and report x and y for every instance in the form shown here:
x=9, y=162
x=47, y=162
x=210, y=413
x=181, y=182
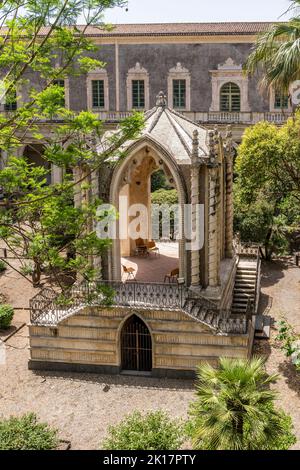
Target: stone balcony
x=212, y=117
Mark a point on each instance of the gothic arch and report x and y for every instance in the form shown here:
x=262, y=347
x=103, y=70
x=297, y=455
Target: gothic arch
x=121, y=326
x=164, y=155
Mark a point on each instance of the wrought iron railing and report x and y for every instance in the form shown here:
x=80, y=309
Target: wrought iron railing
x=49, y=307
x=257, y=283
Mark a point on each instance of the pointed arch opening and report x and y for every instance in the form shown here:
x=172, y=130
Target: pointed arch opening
x=136, y=346
x=131, y=181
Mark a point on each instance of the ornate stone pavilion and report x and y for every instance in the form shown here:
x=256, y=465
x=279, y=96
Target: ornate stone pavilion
x=162, y=329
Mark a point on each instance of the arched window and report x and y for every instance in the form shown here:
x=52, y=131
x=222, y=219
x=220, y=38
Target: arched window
x=230, y=98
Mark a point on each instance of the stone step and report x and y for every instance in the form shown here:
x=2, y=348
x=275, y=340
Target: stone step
x=237, y=305
x=245, y=275
x=240, y=298
x=244, y=290
x=244, y=284
x=246, y=270
x=251, y=282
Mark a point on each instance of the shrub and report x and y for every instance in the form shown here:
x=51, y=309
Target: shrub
x=6, y=316
x=290, y=342
x=235, y=409
x=3, y=266
x=25, y=433
x=27, y=270
x=153, y=431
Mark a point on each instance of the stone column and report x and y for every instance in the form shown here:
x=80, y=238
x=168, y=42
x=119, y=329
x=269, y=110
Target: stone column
x=229, y=195
x=195, y=200
x=213, y=225
x=56, y=174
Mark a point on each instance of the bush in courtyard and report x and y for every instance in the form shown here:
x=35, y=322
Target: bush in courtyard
x=235, y=409
x=25, y=433
x=290, y=342
x=2, y=266
x=152, y=431
x=6, y=316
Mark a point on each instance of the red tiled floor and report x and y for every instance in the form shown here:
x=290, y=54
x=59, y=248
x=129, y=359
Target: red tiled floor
x=154, y=268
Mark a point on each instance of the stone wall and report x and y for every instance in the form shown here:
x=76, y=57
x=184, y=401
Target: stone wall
x=90, y=341
x=158, y=59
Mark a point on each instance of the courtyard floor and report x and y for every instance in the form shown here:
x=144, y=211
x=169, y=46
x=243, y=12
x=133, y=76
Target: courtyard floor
x=153, y=268
x=82, y=406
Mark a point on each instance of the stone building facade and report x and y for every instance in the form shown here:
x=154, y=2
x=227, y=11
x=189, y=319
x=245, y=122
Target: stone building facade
x=199, y=66
x=162, y=329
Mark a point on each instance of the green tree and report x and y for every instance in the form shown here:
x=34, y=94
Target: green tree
x=40, y=224
x=234, y=409
x=166, y=198
x=277, y=52
x=159, y=181
x=152, y=431
x=267, y=186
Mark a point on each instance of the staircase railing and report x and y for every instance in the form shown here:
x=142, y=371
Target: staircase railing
x=52, y=308
x=257, y=283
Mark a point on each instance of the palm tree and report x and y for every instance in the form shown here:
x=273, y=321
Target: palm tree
x=277, y=53
x=234, y=407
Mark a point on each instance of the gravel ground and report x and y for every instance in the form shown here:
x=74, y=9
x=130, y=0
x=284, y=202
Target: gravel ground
x=81, y=408
x=281, y=286
x=78, y=404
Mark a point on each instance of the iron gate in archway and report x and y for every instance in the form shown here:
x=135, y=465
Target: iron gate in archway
x=136, y=345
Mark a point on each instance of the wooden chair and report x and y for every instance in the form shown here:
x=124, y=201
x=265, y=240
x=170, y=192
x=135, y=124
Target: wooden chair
x=152, y=247
x=172, y=276
x=129, y=271
x=139, y=242
x=141, y=248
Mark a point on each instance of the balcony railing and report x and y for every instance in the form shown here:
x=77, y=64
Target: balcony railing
x=213, y=117
x=49, y=308
x=243, y=118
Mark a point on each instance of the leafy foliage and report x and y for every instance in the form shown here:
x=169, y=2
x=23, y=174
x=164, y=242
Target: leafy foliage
x=40, y=224
x=234, y=409
x=3, y=266
x=277, y=52
x=152, y=431
x=25, y=433
x=6, y=316
x=267, y=187
x=290, y=342
x=165, y=196
x=159, y=181
x=167, y=199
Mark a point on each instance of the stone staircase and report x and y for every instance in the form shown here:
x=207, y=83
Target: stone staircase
x=244, y=288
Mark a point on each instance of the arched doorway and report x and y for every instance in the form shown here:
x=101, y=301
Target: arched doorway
x=131, y=180
x=136, y=346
